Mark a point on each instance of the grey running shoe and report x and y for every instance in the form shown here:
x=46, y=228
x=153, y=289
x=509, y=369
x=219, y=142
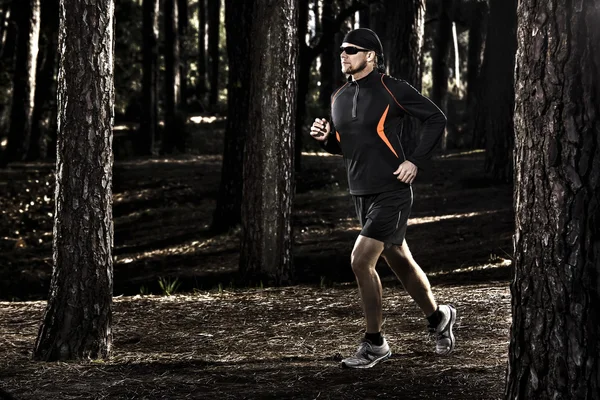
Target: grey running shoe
x=368, y=355
x=443, y=332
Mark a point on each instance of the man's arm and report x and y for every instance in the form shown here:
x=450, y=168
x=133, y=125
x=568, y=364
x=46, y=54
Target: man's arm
x=432, y=118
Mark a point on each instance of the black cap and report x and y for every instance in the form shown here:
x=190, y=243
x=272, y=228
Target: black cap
x=365, y=38
x=369, y=40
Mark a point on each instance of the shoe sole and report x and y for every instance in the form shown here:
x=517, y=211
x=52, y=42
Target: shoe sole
x=450, y=325
x=371, y=364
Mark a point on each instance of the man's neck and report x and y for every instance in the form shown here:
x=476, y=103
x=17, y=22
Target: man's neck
x=362, y=73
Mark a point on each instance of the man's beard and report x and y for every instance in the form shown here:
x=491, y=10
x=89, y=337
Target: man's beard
x=359, y=68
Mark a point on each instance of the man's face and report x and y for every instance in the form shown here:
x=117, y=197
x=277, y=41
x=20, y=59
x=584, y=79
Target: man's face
x=353, y=63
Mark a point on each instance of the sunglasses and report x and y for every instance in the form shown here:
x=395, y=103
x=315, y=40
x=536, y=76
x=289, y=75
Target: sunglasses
x=351, y=50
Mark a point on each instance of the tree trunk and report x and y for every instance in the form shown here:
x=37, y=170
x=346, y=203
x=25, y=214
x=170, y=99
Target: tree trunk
x=555, y=348
x=77, y=320
x=266, y=246
x=201, y=86
x=182, y=26
x=214, y=19
x=499, y=63
x=475, y=79
x=439, y=63
x=327, y=57
x=28, y=23
x=238, y=18
x=44, y=112
x=404, y=59
x=364, y=18
x=173, y=133
x=304, y=66
x=149, y=117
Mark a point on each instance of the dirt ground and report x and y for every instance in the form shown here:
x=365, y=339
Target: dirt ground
x=213, y=339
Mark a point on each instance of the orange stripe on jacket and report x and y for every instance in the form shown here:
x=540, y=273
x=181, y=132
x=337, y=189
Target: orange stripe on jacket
x=337, y=136
x=381, y=132
x=391, y=94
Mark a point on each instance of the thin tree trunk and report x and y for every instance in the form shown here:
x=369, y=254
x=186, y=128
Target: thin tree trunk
x=477, y=22
x=404, y=59
x=327, y=58
x=266, y=245
x=44, y=111
x=214, y=19
x=149, y=117
x=554, y=348
x=24, y=82
x=201, y=86
x=238, y=18
x=183, y=25
x=439, y=67
x=305, y=64
x=77, y=320
x=499, y=91
x=173, y=131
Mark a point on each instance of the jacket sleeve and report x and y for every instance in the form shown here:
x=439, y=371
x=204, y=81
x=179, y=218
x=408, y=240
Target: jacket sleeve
x=331, y=145
x=433, y=119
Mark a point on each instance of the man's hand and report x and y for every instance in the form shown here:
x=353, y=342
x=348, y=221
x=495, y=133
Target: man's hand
x=320, y=129
x=407, y=172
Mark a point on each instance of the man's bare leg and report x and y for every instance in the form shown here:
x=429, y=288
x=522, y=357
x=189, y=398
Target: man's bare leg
x=401, y=261
x=365, y=254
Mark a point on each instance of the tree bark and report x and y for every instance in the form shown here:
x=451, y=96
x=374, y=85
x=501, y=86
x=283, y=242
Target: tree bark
x=173, y=133
x=43, y=129
x=238, y=18
x=77, y=320
x=201, y=86
x=305, y=61
x=554, y=347
x=19, y=134
x=327, y=57
x=149, y=117
x=497, y=113
x=266, y=246
x=404, y=59
x=214, y=19
x=476, y=82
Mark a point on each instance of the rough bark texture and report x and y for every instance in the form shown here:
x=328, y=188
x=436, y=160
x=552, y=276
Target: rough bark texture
x=238, y=18
x=266, y=249
x=201, y=85
x=28, y=22
x=554, y=347
x=173, y=134
x=43, y=129
x=214, y=23
x=499, y=93
x=404, y=58
x=77, y=320
x=149, y=116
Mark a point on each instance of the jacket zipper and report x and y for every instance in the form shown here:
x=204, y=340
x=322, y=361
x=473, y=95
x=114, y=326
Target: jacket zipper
x=355, y=102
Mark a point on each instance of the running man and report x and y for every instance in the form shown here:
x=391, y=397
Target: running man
x=367, y=113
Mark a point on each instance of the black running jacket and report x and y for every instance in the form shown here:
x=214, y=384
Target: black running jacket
x=366, y=118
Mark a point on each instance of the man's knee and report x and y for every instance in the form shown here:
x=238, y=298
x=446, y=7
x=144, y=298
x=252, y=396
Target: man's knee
x=397, y=254
x=360, y=263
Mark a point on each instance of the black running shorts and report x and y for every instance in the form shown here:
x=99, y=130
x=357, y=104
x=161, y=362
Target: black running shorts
x=384, y=216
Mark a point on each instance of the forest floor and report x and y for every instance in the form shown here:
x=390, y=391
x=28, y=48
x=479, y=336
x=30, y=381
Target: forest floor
x=215, y=340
